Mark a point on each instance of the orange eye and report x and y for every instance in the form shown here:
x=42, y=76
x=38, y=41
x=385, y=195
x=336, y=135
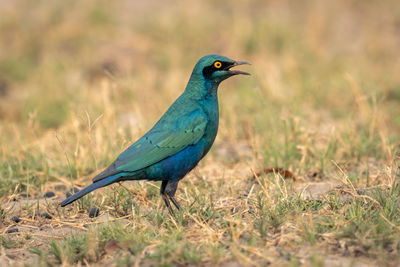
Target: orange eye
x=217, y=64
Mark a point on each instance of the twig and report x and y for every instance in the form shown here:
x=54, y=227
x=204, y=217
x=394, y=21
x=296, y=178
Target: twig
x=72, y=225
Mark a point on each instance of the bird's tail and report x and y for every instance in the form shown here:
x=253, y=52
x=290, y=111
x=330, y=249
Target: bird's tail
x=90, y=188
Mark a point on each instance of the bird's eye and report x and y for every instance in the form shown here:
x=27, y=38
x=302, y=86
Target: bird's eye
x=217, y=64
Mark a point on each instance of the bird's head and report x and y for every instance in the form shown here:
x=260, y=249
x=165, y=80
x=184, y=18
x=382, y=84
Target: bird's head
x=215, y=68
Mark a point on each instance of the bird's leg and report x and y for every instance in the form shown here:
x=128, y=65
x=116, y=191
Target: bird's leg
x=166, y=201
x=165, y=196
x=170, y=191
x=175, y=202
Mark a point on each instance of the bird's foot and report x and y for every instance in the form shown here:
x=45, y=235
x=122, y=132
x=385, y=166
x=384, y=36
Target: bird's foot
x=168, y=204
x=175, y=202
x=167, y=192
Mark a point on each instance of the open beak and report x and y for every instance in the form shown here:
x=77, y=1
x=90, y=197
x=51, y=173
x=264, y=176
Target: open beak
x=236, y=72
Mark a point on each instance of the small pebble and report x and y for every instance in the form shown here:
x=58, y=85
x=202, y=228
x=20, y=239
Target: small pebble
x=49, y=194
x=94, y=212
x=46, y=215
x=16, y=219
x=12, y=230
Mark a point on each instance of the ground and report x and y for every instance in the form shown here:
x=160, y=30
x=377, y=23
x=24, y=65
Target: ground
x=305, y=167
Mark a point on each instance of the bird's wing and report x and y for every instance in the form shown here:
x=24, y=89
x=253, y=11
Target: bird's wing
x=164, y=140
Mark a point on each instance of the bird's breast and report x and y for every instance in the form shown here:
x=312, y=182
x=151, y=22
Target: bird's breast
x=210, y=107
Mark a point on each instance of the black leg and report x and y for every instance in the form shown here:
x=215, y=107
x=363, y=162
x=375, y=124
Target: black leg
x=170, y=190
x=166, y=201
x=176, y=203
x=167, y=191
x=163, y=186
x=165, y=196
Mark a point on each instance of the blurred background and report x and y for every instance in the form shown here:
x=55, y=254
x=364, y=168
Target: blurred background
x=80, y=80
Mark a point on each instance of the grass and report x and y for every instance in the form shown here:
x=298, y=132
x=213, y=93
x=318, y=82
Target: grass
x=80, y=81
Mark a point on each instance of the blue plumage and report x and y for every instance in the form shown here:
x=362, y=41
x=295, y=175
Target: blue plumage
x=179, y=140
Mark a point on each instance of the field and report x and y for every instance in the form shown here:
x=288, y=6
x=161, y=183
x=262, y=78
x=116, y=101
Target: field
x=304, y=170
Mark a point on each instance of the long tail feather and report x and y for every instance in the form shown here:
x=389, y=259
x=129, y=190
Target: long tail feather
x=90, y=188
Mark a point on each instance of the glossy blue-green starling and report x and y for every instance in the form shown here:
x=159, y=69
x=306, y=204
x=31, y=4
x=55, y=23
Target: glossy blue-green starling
x=179, y=140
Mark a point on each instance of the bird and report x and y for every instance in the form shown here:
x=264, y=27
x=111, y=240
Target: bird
x=180, y=138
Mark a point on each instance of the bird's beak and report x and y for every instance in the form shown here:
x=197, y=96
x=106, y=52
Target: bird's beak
x=236, y=72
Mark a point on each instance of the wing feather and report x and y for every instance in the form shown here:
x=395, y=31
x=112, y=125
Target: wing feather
x=164, y=140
